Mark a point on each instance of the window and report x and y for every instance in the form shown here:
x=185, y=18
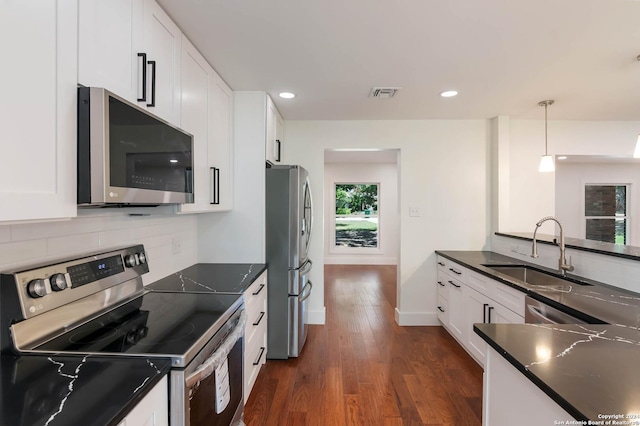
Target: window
x=356, y=216
x=605, y=211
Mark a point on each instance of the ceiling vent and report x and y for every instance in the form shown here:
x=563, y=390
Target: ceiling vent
x=383, y=92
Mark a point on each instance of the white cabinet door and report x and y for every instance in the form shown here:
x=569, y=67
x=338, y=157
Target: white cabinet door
x=109, y=41
x=457, y=318
x=38, y=109
x=195, y=110
x=477, y=306
x=207, y=113
x=153, y=410
x=162, y=41
x=273, y=145
x=221, y=145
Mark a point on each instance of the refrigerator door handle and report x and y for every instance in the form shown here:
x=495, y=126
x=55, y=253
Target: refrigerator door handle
x=303, y=296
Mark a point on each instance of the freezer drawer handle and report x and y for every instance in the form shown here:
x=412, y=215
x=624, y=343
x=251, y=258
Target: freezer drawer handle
x=259, y=318
x=262, y=348
x=259, y=290
x=306, y=296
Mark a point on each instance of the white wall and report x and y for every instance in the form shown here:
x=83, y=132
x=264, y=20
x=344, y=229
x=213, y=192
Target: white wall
x=101, y=229
x=531, y=194
x=386, y=176
x=570, y=181
x=443, y=172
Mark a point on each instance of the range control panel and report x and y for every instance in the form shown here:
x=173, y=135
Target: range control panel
x=46, y=287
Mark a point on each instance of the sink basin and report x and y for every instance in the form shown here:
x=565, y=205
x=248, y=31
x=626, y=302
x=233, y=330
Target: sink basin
x=533, y=276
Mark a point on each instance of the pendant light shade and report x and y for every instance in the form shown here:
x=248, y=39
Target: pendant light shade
x=546, y=162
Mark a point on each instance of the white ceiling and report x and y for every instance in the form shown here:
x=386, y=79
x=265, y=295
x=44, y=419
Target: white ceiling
x=503, y=56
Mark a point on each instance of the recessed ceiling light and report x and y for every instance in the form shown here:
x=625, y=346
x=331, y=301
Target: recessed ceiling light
x=449, y=93
x=287, y=95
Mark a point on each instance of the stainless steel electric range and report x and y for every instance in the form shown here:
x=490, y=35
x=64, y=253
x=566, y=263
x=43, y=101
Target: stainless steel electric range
x=97, y=305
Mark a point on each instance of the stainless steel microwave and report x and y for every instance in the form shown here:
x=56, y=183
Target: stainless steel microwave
x=127, y=156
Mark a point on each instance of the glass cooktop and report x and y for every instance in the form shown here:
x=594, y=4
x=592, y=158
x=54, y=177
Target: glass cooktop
x=155, y=324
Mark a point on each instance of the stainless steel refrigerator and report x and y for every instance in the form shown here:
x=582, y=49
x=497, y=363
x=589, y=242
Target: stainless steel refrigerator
x=289, y=221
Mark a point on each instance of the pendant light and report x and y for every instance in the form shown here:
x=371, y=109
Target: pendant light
x=546, y=162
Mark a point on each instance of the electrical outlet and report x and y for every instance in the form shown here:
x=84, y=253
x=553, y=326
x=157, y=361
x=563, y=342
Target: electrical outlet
x=414, y=211
x=176, y=246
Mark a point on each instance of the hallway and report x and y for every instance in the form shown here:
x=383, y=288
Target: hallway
x=361, y=368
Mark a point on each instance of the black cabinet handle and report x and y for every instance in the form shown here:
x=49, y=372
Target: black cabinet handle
x=441, y=264
x=440, y=282
x=455, y=272
x=484, y=313
x=258, y=290
x=454, y=284
x=259, y=355
x=279, y=149
x=440, y=309
x=153, y=83
x=490, y=309
x=144, y=77
x=215, y=185
x=259, y=318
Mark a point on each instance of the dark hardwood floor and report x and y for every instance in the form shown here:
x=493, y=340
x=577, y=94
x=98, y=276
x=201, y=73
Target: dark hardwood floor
x=361, y=368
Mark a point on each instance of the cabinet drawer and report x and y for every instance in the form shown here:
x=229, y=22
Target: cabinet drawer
x=443, y=310
x=257, y=292
x=255, y=354
x=443, y=287
x=442, y=263
x=256, y=319
x=480, y=283
x=510, y=298
x=455, y=270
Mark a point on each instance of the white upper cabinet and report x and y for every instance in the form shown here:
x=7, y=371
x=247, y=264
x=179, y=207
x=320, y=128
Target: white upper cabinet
x=161, y=42
x=274, y=133
x=221, y=145
x=109, y=40
x=38, y=110
x=132, y=48
x=207, y=104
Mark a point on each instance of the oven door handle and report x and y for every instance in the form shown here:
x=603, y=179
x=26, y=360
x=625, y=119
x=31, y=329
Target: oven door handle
x=217, y=358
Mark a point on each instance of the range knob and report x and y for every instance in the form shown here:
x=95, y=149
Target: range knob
x=130, y=260
x=58, y=282
x=37, y=288
x=142, y=257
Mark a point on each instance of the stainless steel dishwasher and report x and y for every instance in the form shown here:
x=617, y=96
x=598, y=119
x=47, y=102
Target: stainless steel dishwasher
x=537, y=312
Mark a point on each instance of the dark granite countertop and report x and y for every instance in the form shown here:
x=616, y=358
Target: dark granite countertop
x=589, y=370
x=69, y=390
x=211, y=278
x=595, y=302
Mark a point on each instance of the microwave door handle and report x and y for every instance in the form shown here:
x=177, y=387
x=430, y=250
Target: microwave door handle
x=153, y=83
x=144, y=77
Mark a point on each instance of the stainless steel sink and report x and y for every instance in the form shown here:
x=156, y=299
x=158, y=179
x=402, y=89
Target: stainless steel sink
x=532, y=276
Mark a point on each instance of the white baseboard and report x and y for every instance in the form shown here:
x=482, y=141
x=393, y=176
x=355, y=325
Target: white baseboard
x=317, y=317
x=416, y=318
x=360, y=260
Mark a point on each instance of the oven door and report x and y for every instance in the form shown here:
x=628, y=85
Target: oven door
x=209, y=391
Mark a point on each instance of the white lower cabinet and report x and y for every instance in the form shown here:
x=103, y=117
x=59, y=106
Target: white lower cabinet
x=255, y=332
x=152, y=410
x=510, y=398
x=469, y=298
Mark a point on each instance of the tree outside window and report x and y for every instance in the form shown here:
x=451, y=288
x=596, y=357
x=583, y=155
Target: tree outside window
x=356, y=216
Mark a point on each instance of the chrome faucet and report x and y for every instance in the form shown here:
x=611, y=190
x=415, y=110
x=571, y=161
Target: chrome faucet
x=563, y=265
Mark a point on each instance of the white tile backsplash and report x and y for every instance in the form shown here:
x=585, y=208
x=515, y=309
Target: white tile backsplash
x=101, y=229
